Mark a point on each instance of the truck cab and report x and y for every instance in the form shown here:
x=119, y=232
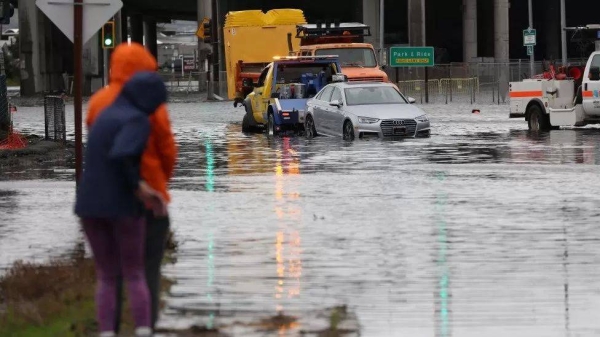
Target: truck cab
x=345, y=40
x=277, y=102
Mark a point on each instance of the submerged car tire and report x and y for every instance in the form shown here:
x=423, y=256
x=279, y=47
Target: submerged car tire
x=348, y=131
x=310, y=131
x=538, y=121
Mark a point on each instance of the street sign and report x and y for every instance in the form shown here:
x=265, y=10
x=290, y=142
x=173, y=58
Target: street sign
x=95, y=15
x=529, y=50
x=529, y=37
x=412, y=57
x=189, y=63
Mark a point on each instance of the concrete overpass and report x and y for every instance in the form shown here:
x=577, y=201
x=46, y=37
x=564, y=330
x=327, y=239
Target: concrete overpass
x=464, y=29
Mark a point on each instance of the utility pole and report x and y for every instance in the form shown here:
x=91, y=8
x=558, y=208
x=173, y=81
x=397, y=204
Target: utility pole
x=532, y=56
x=381, y=31
x=78, y=79
x=563, y=32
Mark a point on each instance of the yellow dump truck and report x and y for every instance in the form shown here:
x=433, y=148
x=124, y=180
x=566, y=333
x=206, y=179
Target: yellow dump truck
x=251, y=39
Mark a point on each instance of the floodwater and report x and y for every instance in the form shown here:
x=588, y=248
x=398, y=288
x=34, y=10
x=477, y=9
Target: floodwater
x=481, y=230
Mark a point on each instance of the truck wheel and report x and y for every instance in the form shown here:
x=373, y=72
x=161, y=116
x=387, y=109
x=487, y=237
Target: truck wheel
x=248, y=123
x=538, y=121
x=271, y=126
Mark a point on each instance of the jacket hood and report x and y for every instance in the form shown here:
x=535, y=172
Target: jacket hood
x=128, y=59
x=146, y=91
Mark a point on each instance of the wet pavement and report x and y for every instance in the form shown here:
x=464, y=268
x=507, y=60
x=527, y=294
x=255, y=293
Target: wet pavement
x=481, y=230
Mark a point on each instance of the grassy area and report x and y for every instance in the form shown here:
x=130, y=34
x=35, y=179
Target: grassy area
x=53, y=299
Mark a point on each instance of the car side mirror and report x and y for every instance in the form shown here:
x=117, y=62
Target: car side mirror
x=336, y=103
x=411, y=100
x=595, y=74
x=247, y=82
x=383, y=67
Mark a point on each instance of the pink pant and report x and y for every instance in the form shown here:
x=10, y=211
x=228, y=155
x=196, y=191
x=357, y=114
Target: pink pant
x=118, y=247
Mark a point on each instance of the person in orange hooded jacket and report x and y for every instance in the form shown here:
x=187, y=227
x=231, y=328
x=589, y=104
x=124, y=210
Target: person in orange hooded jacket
x=157, y=164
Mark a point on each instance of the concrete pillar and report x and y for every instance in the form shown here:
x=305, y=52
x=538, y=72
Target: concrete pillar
x=124, y=24
x=150, y=34
x=136, y=21
x=469, y=30
x=416, y=23
x=501, y=30
x=29, y=41
x=552, y=29
x=371, y=19
x=501, y=43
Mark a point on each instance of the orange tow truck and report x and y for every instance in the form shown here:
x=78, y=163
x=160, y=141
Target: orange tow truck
x=346, y=40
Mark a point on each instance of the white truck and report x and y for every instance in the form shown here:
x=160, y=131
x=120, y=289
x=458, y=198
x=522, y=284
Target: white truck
x=551, y=103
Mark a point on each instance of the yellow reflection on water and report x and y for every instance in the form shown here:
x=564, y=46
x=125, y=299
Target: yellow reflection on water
x=288, y=248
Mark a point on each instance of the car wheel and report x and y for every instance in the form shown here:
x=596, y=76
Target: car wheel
x=271, y=126
x=310, y=131
x=538, y=121
x=348, y=131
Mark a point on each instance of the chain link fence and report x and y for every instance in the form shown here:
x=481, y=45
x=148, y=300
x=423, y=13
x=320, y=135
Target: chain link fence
x=467, y=82
x=54, y=118
x=5, y=114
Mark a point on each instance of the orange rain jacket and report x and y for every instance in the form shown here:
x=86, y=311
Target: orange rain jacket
x=160, y=155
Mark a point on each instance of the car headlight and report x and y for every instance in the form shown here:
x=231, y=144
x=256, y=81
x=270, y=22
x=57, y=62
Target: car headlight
x=367, y=120
x=422, y=119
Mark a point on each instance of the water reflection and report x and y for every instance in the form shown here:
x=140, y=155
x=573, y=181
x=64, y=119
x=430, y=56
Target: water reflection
x=210, y=265
x=443, y=285
x=288, y=249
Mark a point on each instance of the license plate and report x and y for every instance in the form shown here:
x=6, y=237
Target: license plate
x=399, y=130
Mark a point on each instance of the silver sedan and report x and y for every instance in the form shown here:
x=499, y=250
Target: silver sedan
x=361, y=110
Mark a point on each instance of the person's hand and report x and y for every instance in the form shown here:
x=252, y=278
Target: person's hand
x=152, y=199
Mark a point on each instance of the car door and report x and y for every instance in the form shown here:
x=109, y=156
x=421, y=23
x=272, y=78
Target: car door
x=335, y=115
x=262, y=94
x=321, y=104
x=591, y=89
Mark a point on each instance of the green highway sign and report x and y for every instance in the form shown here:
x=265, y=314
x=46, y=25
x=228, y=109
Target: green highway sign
x=529, y=37
x=412, y=57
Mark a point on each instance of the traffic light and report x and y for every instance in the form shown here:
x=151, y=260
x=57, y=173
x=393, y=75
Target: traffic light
x=108, y=35
x=7, y=10
x=207, y=25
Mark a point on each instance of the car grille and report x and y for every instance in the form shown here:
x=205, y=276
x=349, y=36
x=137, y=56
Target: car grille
x=366, y=79
x=387, y=126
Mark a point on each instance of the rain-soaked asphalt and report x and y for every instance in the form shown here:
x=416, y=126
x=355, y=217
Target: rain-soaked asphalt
x=481, y=230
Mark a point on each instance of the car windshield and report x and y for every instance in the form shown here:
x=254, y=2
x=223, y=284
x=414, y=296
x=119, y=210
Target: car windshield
x=373, y=95
x=352, y=57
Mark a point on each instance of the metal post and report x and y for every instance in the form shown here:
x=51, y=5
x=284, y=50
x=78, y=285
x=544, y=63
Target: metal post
x=563, y=32
x=532, y=57
x=78, y=56
x=426, y=84
x=381, y=30
x=423, y=27
x=105, y=66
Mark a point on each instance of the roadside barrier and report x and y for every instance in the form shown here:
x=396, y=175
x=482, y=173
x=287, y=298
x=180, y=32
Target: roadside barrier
x=446, y=89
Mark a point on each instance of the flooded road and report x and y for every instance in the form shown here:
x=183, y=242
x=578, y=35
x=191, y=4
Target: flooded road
x=481, y=230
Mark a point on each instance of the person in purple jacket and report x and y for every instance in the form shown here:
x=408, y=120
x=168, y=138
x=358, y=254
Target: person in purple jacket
x=111, y=197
